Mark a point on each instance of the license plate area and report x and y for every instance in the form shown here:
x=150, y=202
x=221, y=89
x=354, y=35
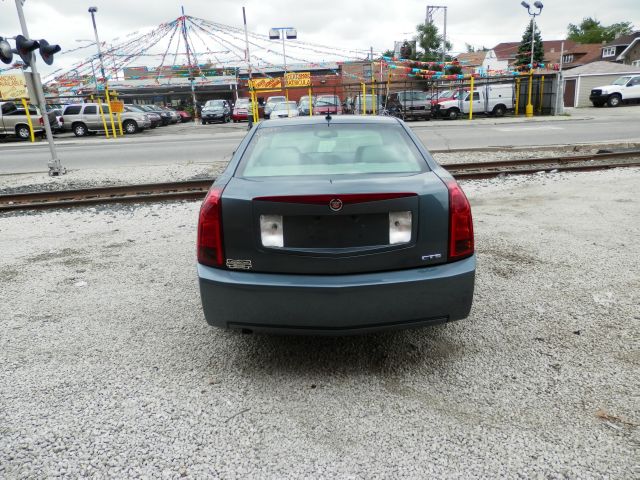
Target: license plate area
x=336, y=231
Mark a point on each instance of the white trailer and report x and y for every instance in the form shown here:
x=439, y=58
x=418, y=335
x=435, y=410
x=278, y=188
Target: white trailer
x=489, y=99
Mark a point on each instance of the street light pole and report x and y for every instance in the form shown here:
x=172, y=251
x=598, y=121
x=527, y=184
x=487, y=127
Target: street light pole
x=285, y=32
x=92, y=11
x=55, y=166
x=539, y=6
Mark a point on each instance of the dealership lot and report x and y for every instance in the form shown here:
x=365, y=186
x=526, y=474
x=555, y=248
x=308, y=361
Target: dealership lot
x=109, y=368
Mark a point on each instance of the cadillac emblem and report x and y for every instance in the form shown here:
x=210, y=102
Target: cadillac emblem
x=335, y=204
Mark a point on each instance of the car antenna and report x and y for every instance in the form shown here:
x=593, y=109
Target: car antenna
x=328, y=119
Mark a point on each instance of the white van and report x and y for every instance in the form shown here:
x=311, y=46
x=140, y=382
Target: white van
x=489, y=99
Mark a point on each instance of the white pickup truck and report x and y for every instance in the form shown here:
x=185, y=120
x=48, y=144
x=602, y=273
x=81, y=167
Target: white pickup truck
x=489, y=99
x=623, y=89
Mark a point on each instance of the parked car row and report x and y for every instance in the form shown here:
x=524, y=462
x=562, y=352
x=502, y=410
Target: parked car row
x=91, y=118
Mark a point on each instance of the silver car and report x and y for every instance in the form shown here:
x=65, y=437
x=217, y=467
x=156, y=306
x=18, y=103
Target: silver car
x=271, y=103
x=334, y=226
x=84, y=119
x=13, y=120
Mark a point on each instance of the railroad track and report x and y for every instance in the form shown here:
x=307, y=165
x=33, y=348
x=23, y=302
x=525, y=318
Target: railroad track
x=196, y=189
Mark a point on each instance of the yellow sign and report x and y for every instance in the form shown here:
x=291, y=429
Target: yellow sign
x=117, y=106
x=264, y=83
x=298, y=79
x=13, y=86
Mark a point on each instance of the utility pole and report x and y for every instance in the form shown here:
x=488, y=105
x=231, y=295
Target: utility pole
x=55, y=166
x=560, y=90
x=431, y=11
x=191, y=77
x=92, y=11
x=254, y=107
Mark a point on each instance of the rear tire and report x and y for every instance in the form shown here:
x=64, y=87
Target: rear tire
x=80, y=130
x=499, y=110
x=614, y=100
x=130, y=127
x=23, y=132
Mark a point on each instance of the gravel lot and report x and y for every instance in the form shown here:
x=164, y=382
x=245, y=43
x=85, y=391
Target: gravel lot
x=108, y=369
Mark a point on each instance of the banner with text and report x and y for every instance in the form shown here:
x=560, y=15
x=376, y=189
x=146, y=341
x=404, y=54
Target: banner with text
x=13, y=86
x=266, y=83
x=298, y=79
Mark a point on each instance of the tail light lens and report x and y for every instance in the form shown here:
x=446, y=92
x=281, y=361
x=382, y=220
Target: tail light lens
x=40, y=121
x=210, y=251
x=461, y=243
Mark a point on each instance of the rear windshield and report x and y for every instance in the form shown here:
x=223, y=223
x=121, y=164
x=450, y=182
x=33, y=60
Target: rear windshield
x=331, y=101
x=340, y=149
x=413, y=96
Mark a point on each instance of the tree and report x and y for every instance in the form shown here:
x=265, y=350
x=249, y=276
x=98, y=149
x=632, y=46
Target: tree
x=523, y=57
x=430, y=42
x=471, y=48
x=591, y=30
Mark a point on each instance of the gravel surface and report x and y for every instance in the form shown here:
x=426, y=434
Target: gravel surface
x=108, y=369
x=87, y=178
x=37, y=182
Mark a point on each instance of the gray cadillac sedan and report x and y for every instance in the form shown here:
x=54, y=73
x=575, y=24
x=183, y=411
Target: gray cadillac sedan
x=338, y=225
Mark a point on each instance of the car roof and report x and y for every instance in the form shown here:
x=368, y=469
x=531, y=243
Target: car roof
x=337, y=119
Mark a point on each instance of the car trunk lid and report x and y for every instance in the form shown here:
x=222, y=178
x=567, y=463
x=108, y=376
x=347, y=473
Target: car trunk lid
x=335, y=225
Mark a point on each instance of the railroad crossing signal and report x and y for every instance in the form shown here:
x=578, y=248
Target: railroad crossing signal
x=25, y=47
x=6, y=54
x=47, y=51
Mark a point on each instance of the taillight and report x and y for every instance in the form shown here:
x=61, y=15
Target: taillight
x=41, y=121
x=460, y=223
x=210, y=250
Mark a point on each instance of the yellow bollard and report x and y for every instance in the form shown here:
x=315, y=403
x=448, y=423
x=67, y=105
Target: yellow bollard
x=119, y=115
x=471, y=100
x=254, y=106
x=363, y=103
x=29, y=122
x=528, y=112
x=373, y=99
x=113, y=124
x=541, y=93
x=104, y=120
x=517, y=97
x=310, y=105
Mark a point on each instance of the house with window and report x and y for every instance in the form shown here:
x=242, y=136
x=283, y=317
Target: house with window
x=631, y=54
x=471, y=62
x=573, y=54
x=624, y=49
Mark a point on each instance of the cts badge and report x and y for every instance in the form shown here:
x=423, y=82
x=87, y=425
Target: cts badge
x=335, y=204
x=236, y=264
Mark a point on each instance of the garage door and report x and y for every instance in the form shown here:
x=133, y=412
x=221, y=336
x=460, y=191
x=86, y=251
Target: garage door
x=570, y=93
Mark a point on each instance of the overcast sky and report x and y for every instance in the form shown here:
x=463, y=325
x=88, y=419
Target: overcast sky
x=354, y=24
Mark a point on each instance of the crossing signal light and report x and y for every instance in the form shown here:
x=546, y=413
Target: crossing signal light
x=24, y=47
x=47, y=51
x=6, y=55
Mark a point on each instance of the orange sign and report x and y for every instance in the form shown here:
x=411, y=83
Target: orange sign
x=266, y=83
x=117, y=106
x=298, y=79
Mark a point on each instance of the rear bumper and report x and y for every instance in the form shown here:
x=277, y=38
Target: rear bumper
x=337, y=304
